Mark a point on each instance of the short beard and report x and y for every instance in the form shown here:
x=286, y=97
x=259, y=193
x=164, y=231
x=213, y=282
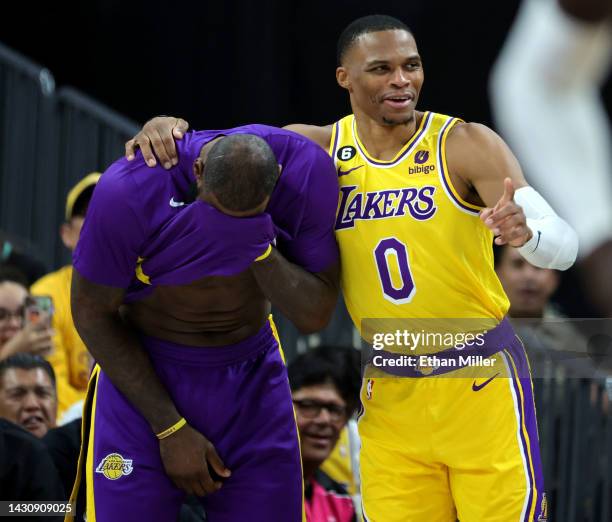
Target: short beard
x=392, y=123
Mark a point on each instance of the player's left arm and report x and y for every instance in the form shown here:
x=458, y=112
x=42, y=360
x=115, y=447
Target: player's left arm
x=302, y=279
x=514, y=211
x=307, y=299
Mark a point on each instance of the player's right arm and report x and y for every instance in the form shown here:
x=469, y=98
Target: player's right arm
x=319, y=134
x=156, y=138
x=104, y=262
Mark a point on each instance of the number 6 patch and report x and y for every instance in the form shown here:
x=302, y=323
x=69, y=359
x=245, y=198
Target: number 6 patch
x=346, y=153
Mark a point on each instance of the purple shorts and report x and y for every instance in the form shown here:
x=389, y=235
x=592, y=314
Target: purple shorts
x=238, y=396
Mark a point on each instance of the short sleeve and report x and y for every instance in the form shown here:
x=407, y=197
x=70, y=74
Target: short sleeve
x=314, y=247
x=112, y=234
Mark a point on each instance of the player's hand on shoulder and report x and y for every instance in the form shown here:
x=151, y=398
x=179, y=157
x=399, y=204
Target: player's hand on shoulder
x=507, y=220
x=191, y=461
x=157, y=139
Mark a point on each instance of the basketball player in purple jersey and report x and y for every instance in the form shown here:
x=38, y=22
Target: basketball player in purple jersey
x=196, y=399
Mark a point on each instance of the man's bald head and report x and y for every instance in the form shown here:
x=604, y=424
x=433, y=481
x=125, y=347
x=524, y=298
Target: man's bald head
x=240, y=171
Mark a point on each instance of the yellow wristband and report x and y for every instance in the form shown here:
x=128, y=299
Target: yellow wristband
x=175, y=427
x=265, y=254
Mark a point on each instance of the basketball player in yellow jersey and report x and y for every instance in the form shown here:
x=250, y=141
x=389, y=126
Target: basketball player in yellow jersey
x=422, y=197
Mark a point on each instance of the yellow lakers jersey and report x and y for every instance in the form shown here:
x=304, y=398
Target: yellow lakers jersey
x=411, y=247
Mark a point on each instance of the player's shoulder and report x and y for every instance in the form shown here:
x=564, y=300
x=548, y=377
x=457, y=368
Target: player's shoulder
x=294, y=148
x=132, y=188
x=289, y=134
x=474, y=151
x=118, y=181
x=319, y=134
x=471, y=134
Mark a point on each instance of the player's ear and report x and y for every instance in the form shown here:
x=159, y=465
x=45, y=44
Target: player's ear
x=198, y=171
x=342, y=78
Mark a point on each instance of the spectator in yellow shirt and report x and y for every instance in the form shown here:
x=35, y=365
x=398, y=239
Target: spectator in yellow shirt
x=70, y=360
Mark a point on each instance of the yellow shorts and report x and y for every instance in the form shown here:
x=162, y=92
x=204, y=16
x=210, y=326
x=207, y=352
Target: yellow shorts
x=463, y=445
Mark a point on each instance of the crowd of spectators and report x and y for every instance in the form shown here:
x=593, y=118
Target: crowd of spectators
x=44, y=366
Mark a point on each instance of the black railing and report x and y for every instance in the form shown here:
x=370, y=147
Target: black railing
x=48, y=140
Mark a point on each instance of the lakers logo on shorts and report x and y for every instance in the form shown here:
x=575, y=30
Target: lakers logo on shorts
x=114, y=466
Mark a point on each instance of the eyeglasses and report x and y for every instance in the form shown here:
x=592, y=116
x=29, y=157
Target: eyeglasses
x=6, y=314
x=311, y=409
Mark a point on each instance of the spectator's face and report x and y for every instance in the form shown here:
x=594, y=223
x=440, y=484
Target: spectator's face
x=321, y=415
x=12, y=301
x=27, y=398
x=529, y=288
x=71, y=231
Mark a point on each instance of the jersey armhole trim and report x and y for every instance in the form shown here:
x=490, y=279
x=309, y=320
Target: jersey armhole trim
x=333, y=142
x=449, y=188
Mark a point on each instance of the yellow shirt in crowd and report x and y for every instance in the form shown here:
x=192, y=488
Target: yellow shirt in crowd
x=70, y=358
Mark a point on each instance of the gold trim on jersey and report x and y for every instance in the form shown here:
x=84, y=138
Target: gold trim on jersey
x=140, y=275
x=403, y=152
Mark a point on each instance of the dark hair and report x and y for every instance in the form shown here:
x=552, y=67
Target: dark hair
x=241, y=171
x=364, y=25
x=82, y=202
x=338, y=365
x=27, y=361
x=13, y=274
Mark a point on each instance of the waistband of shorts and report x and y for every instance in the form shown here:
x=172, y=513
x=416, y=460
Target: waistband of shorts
x=263, y=340
x=494, y=341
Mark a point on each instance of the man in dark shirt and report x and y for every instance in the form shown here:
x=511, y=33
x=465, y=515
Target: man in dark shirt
x=26, y=469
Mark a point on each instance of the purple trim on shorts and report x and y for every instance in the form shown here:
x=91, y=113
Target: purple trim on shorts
x=495, y=340
x=210, y=356
x=411, y=144
x=520, y=399
x=449, y=190
x=519, y=357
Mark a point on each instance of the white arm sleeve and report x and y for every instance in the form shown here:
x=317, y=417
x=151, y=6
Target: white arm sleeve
x=554, y=243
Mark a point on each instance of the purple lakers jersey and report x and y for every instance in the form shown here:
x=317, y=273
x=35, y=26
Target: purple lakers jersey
x=142, y=230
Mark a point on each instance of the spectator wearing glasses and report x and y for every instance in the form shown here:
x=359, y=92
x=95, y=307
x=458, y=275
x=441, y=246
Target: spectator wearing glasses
x=16, y=334
x=325, y=394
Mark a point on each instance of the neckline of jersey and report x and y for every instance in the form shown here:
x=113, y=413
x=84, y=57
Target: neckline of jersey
x=416, y=137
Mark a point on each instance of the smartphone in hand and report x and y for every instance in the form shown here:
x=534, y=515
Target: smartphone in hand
x=39, y=306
